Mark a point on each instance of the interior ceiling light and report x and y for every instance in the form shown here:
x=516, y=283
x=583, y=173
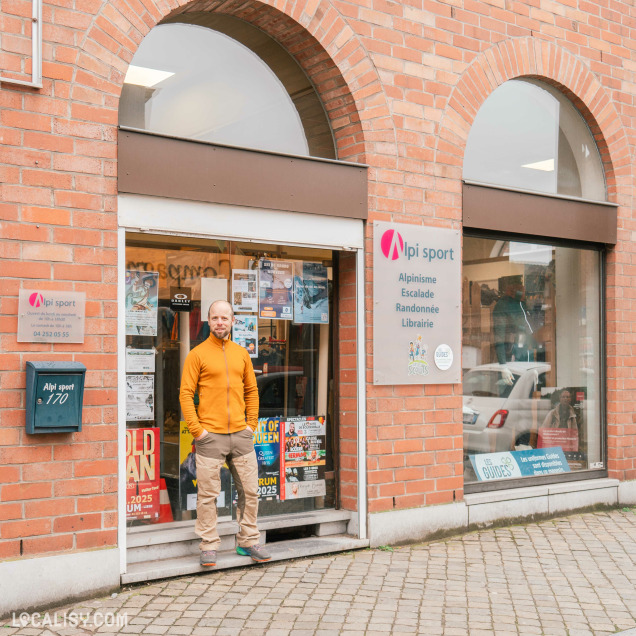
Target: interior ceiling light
x=148, y=77
x=546, y=166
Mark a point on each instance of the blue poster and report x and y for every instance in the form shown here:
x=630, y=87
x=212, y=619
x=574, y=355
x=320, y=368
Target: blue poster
x=525, y=463
x=311, y=294
x=267, y=447
x=245, y=333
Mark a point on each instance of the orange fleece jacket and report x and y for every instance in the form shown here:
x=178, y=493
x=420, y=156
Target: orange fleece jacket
x=223, y=374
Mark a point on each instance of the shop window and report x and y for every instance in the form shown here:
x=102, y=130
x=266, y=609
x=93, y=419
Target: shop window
x=532, y=302
x=283, y=303
x=527, y=135
x=194, y=81
x=531, y=358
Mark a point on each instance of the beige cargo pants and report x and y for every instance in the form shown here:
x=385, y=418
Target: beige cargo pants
x=237, y=449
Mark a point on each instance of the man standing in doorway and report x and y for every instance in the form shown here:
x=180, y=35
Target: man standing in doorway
x=222, y=373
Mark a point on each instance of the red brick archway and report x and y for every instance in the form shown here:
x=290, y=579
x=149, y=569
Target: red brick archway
x=529, y=57
x=320, y=40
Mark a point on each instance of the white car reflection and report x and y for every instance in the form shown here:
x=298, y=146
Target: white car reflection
x=499, y=410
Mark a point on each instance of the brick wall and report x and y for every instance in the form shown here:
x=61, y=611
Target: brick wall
x=401, y=83
x=58, y=492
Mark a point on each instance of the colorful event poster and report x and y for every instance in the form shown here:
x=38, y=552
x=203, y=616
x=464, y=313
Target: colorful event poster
x=275, y=294
x=140, y=360
x=142, y=474
x=142, y=294
x=311, y=294
x=305, y=441
x=245, y=333
x=244, y=290
x=267, y=448
x=140, y=398
x=303, y=457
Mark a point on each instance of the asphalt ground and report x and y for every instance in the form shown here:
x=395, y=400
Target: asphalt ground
x=569, y=576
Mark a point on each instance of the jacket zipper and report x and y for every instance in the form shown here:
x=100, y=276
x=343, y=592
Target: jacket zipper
x=227, y=373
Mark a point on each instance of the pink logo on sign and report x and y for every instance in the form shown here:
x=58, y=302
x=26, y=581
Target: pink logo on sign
x=36, y=299
x=392, y=244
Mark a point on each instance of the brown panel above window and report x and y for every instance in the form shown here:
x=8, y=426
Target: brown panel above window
x=487, y=208
x=163, y=166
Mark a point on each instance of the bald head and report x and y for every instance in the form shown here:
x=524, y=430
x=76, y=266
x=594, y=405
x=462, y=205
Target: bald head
x=220, y=319
x=221, y=305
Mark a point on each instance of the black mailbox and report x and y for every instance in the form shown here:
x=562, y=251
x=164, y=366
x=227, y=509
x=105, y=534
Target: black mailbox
x=54, y=397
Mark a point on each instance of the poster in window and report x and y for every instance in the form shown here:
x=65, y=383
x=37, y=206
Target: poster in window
x=142, y=292
x=267, y=448
x=140, y=398
x=142, y=474
x=140, y=360
x=565, y=438
x=303, y=457
x=311, y=294
x=304, y=482
x=275, y=293
x=244, y=290
x=245, y=333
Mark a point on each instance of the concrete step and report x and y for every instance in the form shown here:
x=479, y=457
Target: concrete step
x=282, y=550
x=177, y=540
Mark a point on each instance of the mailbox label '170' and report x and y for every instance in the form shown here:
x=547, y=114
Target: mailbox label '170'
x=57, y=396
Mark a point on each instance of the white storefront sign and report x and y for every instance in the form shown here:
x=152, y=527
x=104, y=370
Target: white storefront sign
x=416, y=305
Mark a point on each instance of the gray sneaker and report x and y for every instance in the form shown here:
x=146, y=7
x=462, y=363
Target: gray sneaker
x=208, y=558
x=257, y=552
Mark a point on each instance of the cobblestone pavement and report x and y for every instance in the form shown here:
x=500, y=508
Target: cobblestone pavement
x=568, y=576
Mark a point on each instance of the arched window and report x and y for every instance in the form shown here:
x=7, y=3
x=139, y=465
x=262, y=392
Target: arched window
x=535, y=220
x=527, y=135
x=197, y=82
